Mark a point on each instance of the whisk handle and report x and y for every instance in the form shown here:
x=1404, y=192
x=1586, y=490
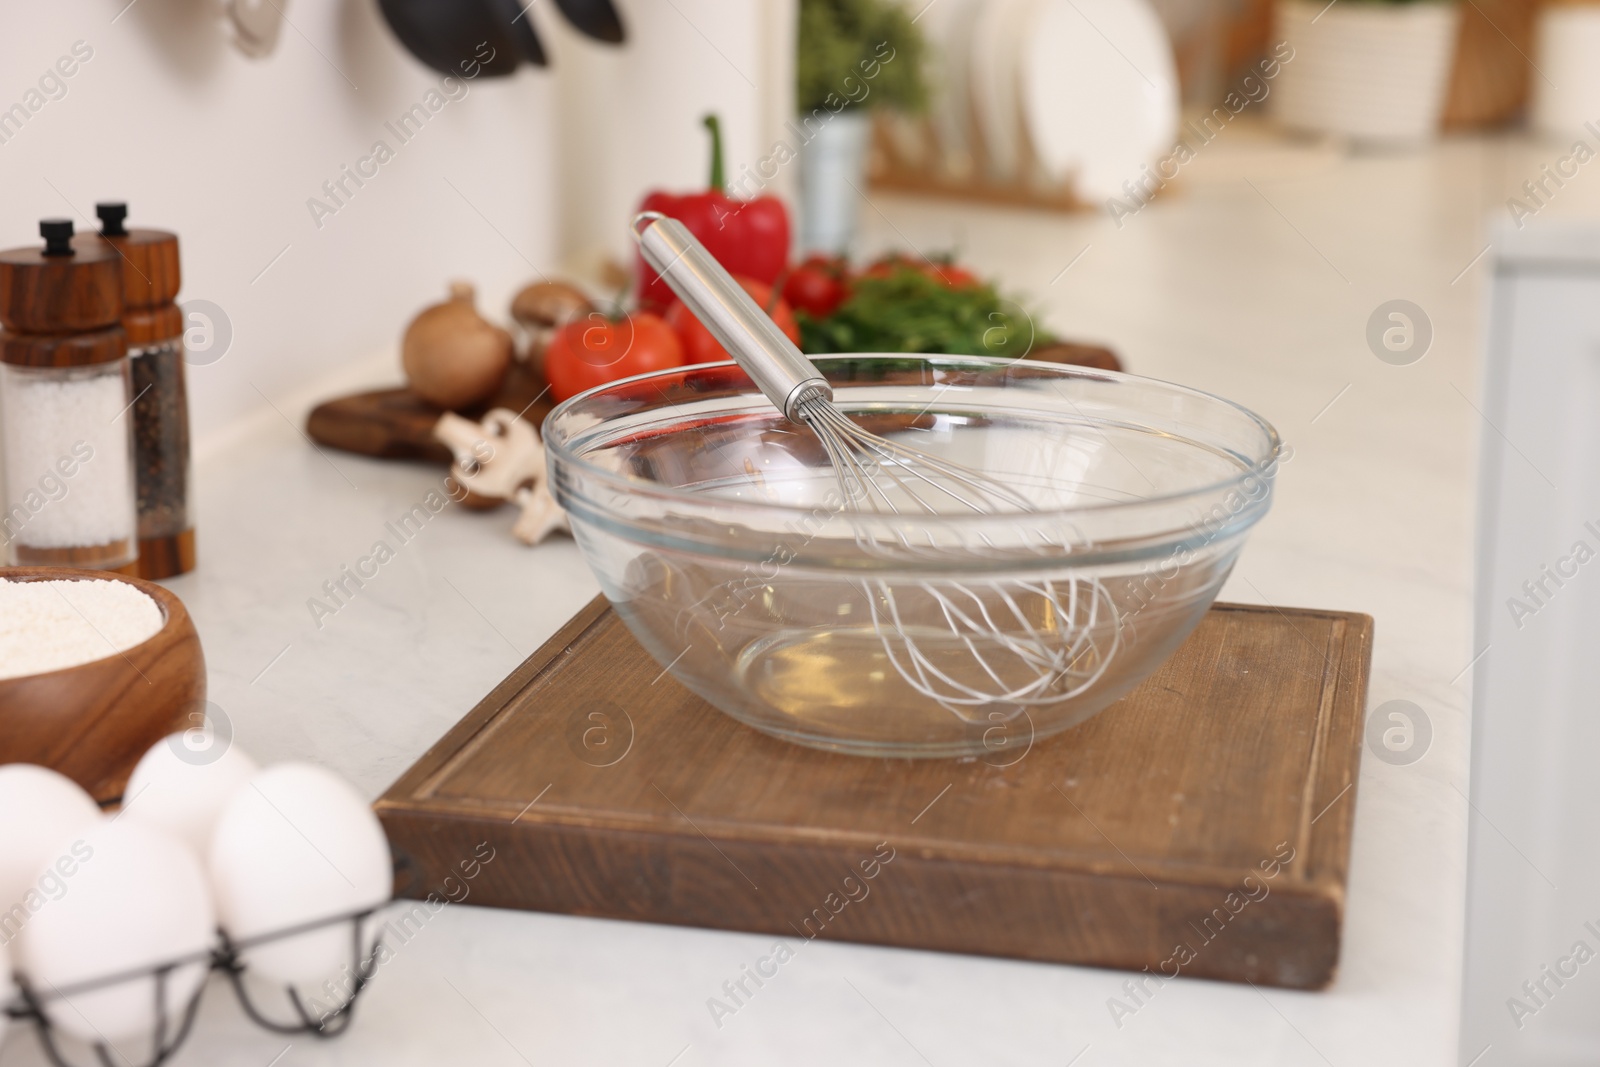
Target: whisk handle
x=779, y=369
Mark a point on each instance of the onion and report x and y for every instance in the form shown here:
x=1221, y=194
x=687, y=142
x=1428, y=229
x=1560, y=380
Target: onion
x=454, y=357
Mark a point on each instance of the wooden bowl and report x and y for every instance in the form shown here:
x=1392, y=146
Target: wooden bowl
x=92, y=722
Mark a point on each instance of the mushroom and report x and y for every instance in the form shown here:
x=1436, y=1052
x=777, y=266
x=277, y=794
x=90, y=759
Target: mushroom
x=541, y=515
x=544, y=307
x=501, y=458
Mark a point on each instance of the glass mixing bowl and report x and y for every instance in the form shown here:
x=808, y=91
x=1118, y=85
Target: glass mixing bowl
x=720, y=532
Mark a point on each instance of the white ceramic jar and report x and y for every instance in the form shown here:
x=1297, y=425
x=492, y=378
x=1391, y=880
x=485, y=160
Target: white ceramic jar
x=1566, y=42
x=1370, y=71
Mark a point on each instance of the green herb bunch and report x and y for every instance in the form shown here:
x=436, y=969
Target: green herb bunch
x=869, y=42
x=909, y=310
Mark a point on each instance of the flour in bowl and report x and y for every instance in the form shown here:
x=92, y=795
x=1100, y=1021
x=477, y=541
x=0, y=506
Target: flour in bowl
x=45, y=626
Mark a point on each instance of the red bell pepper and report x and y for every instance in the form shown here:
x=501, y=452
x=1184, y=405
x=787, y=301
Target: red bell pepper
x=748, y=237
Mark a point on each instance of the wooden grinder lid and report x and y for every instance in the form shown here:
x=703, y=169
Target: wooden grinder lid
x=150, y=273
x=149, y=326
x=61, y=288
x=63, y=349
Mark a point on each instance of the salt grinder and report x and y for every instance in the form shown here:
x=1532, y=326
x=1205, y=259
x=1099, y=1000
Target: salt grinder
x=64, y=398
x=162, y=471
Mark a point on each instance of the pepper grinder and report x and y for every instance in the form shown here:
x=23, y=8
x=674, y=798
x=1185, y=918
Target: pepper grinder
x=162, y=473
x=64, y=399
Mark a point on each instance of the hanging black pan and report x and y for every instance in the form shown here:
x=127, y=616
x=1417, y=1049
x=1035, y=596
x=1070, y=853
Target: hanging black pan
x=475, y=38
x=594, y=18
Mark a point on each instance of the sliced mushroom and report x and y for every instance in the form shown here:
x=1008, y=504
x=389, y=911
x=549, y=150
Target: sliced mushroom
x=501, y=458
x=541, y=515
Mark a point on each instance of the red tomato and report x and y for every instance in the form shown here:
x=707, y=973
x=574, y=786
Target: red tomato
x=818, y=285
x=886, y=265
x=595, y=350
x=698, y=344
x=951, y=275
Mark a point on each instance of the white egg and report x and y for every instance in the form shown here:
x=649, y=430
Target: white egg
x=296, y=845
x=137, y=900
x=41, y=812
x=182, y=788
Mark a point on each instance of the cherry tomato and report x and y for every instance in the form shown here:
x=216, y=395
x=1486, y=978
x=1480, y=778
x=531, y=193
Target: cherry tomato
x=886, y=265
x=818, y=285
x=948, y=273
x=595, y=350
x=698, y=344
x=953, y=276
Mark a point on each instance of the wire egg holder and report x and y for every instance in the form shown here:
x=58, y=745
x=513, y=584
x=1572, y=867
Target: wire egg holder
x=226, y=957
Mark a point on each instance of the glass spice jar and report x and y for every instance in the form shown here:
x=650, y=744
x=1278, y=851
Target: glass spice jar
x=64, y=400
x=151, y=277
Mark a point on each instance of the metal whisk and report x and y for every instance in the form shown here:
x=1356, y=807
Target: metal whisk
x=981, y=650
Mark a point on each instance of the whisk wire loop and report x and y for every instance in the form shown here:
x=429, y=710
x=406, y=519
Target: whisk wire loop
x=1001, y=646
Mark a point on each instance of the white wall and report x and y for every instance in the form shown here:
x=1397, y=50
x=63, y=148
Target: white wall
x=519, y=176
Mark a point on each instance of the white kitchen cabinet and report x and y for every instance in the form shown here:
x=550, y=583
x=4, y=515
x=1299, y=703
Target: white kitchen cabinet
x=1532, y=989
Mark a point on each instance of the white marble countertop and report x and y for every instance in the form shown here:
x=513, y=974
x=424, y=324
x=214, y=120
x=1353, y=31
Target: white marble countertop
x=1256, y=281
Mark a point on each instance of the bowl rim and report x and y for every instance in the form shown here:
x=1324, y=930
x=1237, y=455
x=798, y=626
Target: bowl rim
x=164, y=598
x=558, y=450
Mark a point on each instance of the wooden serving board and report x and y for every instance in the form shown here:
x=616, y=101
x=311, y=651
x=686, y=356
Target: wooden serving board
x=396, y=423
x=1200, y=826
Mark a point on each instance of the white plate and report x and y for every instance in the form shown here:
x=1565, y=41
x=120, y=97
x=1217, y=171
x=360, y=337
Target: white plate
x=947, y=27
x=997, y=47
x=1099, y=91
x=908, y=135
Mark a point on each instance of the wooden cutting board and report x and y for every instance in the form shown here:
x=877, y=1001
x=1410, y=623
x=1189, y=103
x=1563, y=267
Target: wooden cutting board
x=1200, y=826
x=396, y=423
